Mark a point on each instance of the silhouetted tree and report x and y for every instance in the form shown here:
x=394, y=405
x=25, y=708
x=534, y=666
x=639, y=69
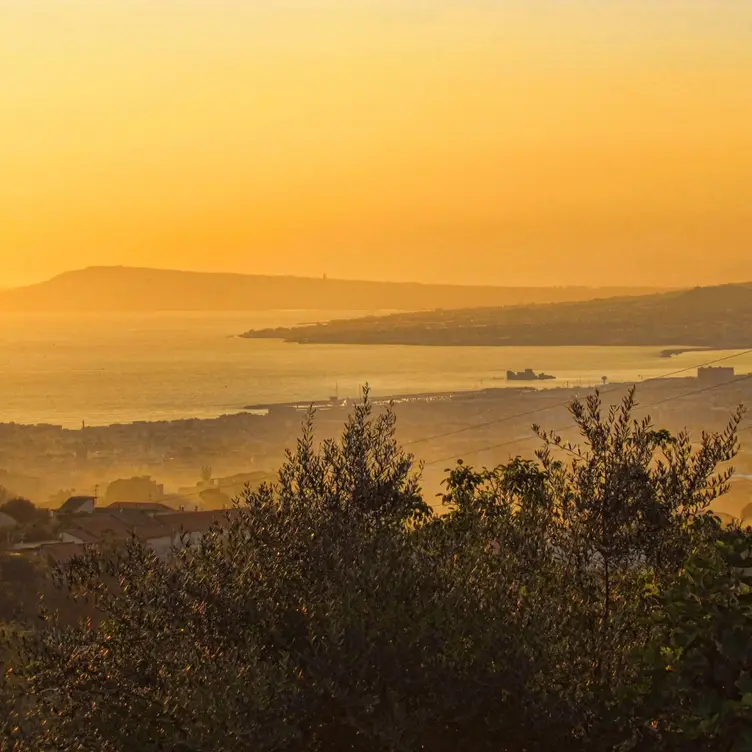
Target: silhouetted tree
x=21, y=510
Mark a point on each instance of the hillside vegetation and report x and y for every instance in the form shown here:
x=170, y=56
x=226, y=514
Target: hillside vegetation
x=119, y=289
x=719, y=317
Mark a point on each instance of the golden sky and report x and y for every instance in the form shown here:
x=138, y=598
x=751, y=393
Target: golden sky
x=504, y=141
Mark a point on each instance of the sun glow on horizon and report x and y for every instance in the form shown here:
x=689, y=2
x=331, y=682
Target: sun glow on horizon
x=514, y=143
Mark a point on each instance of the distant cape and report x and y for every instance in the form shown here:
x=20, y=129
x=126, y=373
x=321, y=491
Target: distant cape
x=130, y=289
x=702, y=318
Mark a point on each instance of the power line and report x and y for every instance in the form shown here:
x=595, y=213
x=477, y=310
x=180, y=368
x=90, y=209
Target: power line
x=700, y=391
x=570, y=426
x=538, y=410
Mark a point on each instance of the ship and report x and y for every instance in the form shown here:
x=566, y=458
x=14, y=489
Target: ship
x=528, y=375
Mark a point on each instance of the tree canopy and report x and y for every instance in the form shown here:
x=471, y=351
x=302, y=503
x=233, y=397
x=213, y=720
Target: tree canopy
x=21, y=510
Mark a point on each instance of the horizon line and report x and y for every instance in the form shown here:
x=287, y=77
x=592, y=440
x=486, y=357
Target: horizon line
x=325, y=277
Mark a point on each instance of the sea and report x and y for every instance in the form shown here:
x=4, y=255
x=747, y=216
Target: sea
x=103, y=369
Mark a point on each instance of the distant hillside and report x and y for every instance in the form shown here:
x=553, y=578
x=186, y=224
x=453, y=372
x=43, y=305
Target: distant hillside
x=703, y=317
x=131, y=289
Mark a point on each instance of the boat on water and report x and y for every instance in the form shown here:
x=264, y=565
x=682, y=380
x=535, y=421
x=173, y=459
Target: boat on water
x=528, y=375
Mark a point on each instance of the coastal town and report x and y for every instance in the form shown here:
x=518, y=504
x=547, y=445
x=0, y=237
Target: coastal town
x=205, y=464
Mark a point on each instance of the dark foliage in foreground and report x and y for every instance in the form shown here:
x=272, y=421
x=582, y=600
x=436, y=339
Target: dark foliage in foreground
x=587, y=601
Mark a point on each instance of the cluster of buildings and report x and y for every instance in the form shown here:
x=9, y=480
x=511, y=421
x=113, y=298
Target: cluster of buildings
x=38, y=461
x=711, y=376
x=82, y=523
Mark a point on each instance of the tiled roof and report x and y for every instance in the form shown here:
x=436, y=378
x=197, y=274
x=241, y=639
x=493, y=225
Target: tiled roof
x=83, y=535
x=75, y=503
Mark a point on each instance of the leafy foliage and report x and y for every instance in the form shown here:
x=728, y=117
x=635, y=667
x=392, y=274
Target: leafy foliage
x=701, y=660
x=335, y=611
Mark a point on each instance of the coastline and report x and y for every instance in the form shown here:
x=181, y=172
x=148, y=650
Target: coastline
x=456, y=395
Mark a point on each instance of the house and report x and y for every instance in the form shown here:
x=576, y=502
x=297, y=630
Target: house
x=712, y=376
x=160, y=532
x=78, y=505
x=139, y=489
x=79, y=537
x=101, y=528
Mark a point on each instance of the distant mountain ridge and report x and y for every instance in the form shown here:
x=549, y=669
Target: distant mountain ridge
x=705, y=317
x=132, y=289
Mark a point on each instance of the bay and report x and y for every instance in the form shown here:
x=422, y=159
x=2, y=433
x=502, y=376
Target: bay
x=119, y=368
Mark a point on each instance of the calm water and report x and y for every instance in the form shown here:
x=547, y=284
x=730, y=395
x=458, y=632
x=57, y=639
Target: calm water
x=121, y=368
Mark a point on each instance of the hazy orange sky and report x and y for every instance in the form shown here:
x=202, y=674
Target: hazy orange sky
x=504, y=141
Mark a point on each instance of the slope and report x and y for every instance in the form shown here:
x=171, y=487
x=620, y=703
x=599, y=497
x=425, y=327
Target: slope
x=719, y=317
